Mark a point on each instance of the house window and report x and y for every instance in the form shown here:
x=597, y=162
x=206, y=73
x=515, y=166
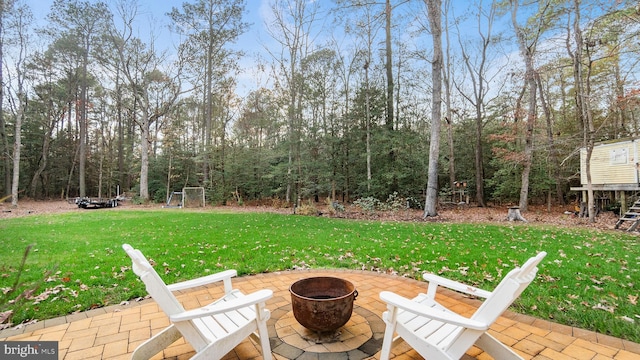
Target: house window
x=619, y=157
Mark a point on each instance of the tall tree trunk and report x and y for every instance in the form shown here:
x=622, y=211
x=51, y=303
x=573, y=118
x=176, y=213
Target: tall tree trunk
x=44, y=157
x=208, y=111
x=145, y=138
x=553, y=151
x=621, y=125
x=22, y=23
x=434, y=10
x=368, y=120
x=17, y=145
x=389, y=67
x=4, y=139
x=582, y=95
x=122, y=171
x=294, y=37
x=390, y=119
x=527, y=51
x=477, y=70
x=83, y=124
x=528, y=140
x=447, y=98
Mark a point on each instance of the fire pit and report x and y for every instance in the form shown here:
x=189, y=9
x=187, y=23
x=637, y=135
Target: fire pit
x=322, y=304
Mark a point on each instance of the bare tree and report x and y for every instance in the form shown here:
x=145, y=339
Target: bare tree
x=19, y=24
x=86, y=22
x=347, y=67
x=5, y=9
x=447, y=78
x=582, y=96
x=291, y=28
x=389, y=65
x=154, y=91
x=210, y=26
x=527, y=43
x=551, y=143
x=478, y=71
x=434, y=13
x=45, y=92
x=369, y=30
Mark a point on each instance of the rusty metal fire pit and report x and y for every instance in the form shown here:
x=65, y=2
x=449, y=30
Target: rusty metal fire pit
x=322, y=304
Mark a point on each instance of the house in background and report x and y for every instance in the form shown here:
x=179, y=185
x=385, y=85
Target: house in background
x=614, y=172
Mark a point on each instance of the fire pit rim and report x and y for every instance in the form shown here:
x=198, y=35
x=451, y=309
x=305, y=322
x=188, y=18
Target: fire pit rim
x=354, y=292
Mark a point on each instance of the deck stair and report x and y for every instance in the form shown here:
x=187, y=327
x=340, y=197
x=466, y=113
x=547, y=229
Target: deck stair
x=631, y=217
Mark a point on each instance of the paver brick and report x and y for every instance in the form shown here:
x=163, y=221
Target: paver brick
x=85, y=354
x=115, y=348
x=546, y=342
x=552, y=354
x=139, y=334
x=626, y=355
x=81, y=343
x=108, y=339
x=597, y=348
x=81, y=324
x=560, y=338
x=529, y=347
x=52, y=336
x=578, y=352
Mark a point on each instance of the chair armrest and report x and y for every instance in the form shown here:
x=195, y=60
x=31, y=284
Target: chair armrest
x=439, y=314
x=205, y=280
x=257, y=297
x=454, y=285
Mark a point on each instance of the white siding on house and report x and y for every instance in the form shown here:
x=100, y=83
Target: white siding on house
x=611, y=163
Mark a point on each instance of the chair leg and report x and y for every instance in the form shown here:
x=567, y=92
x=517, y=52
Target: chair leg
x=264, y=340
x=387, y=341
x=495, y=348
x=157, y=343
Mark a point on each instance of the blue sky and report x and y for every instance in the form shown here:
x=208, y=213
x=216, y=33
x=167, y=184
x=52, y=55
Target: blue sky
x=152, y=18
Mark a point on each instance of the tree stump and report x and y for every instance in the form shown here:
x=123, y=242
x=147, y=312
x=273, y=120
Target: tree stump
x=584, y=210
x=514, y=214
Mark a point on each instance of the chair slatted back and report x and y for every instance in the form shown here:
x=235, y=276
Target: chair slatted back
x=508, y=290
x=165, y=299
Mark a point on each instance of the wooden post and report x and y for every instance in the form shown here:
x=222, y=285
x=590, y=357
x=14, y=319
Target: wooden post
x=514, y=214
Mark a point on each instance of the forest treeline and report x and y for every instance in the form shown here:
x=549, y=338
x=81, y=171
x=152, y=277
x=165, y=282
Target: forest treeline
x=341, y=105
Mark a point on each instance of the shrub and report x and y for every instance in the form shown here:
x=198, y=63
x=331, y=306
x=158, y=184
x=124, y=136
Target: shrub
x=307, y=209
x=368, y=204
x=394, y=202
x=279, y=203
x=333, y=206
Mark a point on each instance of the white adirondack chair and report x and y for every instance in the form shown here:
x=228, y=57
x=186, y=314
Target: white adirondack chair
x=212, y=330
x=436, y=332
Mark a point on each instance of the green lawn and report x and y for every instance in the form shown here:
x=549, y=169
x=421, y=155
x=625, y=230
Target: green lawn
x=589, y=279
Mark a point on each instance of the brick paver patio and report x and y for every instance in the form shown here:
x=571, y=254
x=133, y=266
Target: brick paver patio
x=114, y=332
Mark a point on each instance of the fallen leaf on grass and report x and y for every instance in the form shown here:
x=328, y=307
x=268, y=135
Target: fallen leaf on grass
x=5, y=315
x=627, y=319
x=610, y=309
